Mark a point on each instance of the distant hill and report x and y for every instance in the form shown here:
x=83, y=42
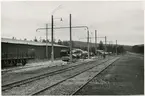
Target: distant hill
x=128, y=48
x=138, y=48
x=82, y=44
x=78, y=44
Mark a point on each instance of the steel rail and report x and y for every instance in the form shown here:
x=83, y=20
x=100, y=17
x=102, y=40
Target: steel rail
x=19, y=68
x=28, y=80
x=74, y=93
x=48, y=87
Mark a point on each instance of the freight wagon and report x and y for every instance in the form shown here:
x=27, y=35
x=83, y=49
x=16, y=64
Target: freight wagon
x=20, y=51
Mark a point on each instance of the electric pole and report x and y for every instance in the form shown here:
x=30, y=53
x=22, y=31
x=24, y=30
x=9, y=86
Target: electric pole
x=46, y=41
x=52, y=47
x=96, y=41
x=65, y=28
x=105, y=43
x=70, y=40
x=88, y=46
x=116, y=47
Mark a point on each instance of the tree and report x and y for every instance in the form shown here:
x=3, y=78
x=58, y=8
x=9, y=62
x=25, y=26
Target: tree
x=47, y=40
x=54, y=41
x=44, y=41
x=109, y=48
x=101, y=46
x=73, y=44
x=120, y=49
x=59, y=42
x=92, y=49
x=66, y=43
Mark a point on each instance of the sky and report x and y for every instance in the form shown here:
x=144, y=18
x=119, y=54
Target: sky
x=117, y=20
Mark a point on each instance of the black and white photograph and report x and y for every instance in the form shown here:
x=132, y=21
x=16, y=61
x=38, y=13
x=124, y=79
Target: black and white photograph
x=72, y=48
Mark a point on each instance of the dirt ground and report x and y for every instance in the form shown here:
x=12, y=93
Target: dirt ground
x=124, y=77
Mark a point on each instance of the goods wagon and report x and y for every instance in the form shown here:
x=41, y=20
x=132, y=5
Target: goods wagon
x=20, y=51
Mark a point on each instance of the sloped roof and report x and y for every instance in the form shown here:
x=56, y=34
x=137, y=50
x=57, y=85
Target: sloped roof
x=15, y=41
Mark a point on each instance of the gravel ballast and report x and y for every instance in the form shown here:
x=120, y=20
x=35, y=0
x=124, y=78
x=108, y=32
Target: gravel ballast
x=71, y=85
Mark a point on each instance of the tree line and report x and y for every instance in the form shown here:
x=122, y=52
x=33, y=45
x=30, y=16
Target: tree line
x=101, y=46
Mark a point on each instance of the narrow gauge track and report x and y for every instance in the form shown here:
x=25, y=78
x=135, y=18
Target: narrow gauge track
x=28, y=80
x=75, y=93
x=48, y=87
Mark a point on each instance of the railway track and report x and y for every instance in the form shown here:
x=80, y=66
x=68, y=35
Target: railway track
x=8, y=70
x=28, y=80
x=75, y=92
x=48, y=87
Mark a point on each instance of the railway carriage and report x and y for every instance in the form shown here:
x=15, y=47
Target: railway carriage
x=20, y=51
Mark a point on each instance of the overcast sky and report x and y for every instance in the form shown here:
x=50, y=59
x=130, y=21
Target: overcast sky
x=118, y=20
